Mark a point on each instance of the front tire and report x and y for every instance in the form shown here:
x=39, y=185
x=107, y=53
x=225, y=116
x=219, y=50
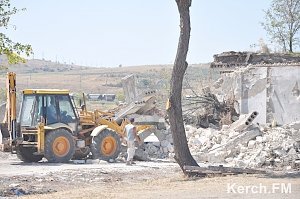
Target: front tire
x=59, y=146
x=106, y=145
x=25, y=154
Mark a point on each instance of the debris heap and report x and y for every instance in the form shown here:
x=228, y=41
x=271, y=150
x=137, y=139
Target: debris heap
x=254, y=147
x=159, y=145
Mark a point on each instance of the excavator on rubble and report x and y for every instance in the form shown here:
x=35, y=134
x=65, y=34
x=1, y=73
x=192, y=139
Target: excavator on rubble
x=50, y=126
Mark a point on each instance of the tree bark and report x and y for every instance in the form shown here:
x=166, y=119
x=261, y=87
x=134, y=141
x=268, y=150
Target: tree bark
x=291, y=44
x=182, y=152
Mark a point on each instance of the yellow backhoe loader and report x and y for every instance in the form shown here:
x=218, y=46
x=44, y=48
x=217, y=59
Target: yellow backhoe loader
x=50, y=126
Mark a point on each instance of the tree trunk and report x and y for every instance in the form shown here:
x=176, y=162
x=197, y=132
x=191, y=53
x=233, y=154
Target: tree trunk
x=182, y=152
x=291, y=44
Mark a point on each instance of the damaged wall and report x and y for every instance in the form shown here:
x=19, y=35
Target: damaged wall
x=271, y=90
x=254, y=92
x=284, y=96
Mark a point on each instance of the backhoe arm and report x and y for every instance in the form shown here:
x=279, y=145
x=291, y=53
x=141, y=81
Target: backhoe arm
x=11, y=104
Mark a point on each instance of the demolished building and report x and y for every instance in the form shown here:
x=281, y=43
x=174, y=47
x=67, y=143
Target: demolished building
x=265, y=88
x=261, y=94
x=267, y=83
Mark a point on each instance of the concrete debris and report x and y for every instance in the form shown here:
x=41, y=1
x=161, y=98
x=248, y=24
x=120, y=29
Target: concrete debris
x=244, y=122
x=276, y=148
x=159, y=145
x=129, y=88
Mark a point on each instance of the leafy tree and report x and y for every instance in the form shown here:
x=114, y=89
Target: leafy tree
x=282, y=23
x=11, y=49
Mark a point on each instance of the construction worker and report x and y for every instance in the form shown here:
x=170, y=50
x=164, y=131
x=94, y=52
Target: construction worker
x=131, y=134
x=51, y=111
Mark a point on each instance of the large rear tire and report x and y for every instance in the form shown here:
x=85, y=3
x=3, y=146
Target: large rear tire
x=106, y=145
x=59, y=146
x=26, y=154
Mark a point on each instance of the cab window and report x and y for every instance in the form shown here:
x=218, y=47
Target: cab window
x=28, y=109
x=67, y=114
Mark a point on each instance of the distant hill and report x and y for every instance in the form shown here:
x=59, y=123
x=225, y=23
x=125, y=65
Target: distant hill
x=40, y=65
x=45, y=66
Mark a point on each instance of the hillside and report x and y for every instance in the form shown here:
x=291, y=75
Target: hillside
x=46, y=74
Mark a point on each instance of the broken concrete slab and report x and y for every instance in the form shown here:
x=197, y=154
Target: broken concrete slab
x=244, y=137
x=129, y=88
x=243, y=122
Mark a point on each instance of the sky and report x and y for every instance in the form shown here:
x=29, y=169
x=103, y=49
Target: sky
x=135, y=32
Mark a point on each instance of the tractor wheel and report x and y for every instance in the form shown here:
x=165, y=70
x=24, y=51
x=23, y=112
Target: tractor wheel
x=81, y=153
x=59, y=146
x=106, y=145
x=25, y=154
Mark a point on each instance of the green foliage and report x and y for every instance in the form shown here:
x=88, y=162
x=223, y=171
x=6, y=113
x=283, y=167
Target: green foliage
x=13, y=50
x=282, y=23
x=120, y=96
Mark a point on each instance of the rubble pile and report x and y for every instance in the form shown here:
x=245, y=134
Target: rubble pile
x=158, y=145
x=255, y=147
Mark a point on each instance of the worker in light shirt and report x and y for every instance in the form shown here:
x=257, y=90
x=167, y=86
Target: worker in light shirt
x=131, y=134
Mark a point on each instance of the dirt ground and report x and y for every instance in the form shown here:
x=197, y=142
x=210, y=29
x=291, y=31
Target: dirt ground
x=156, y=179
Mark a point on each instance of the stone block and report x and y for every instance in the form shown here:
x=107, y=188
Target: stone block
x=251, y=144
x=259, y=139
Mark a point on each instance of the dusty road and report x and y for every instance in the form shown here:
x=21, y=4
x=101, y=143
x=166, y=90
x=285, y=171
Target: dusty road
x=143, y=180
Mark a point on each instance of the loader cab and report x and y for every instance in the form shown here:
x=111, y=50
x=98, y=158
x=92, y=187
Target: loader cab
x=49, y=106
